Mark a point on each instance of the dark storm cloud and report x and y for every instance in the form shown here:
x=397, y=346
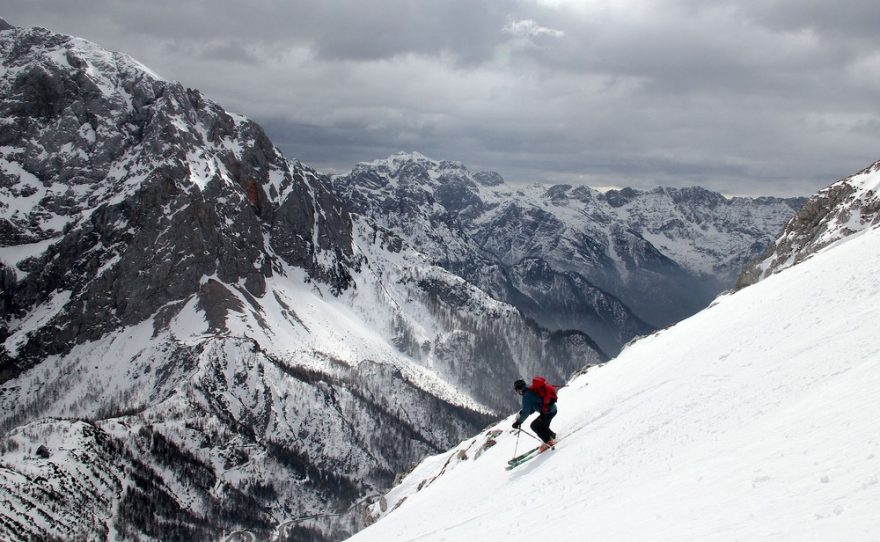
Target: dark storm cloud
x=746, y=96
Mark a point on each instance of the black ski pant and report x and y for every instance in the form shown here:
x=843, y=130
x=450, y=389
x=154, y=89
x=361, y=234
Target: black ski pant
x=541, y=426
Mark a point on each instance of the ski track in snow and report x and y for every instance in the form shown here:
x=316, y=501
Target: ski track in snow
x=753, y=420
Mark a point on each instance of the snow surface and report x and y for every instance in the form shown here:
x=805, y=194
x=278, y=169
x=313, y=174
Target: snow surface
x=755, y=419
x=12, y=255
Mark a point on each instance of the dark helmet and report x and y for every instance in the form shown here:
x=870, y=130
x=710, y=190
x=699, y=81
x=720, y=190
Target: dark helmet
x=519, y=386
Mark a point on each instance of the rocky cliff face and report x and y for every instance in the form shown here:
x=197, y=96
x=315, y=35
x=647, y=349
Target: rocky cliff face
x=112, y=187
x=847, y=207
x=197, y=337
x=613, y=264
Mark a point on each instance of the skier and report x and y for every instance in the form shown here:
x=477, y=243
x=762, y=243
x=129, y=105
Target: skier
x=539, y=397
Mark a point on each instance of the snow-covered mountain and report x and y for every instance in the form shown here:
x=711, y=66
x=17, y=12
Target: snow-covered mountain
x=614, y=265
x=755, y=419
x=197, y=337
x=846, y=207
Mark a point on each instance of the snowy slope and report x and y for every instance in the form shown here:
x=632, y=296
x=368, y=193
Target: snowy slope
x=755, y=419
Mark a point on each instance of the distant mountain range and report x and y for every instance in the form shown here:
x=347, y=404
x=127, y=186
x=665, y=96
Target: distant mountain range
x=200, y=336
x=613, y=265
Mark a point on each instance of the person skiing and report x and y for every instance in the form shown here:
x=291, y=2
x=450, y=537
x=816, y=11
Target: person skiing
x=539, y=397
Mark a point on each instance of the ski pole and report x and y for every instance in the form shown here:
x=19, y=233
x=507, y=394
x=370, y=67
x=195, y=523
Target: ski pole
x=531, y=435
x=516, y=446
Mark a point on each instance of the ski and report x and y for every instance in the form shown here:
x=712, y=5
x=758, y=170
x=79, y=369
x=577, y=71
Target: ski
x=515, y=464
x=525, y=458
x=530, y=452
x=523, y=455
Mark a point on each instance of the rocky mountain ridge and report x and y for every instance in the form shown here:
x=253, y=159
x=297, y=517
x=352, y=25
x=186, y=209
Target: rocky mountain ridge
x=847, y=207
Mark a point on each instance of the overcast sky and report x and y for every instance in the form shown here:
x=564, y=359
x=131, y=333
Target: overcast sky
x=776, y=97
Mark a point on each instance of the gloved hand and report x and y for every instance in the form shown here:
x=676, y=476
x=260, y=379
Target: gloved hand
x=516, y=424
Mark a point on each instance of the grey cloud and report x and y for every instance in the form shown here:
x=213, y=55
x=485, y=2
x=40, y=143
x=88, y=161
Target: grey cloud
x=229, y=52
x=848, y=19
x=333, y=29
x=741, y=96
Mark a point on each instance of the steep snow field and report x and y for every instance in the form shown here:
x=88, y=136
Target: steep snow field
x=756, y=419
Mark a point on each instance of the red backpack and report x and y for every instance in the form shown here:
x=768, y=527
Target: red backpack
x=545, y=391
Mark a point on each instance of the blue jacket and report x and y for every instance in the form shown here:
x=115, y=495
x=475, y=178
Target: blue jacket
x=532, y=402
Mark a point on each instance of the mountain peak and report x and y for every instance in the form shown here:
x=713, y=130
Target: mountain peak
x=58, y=55
x=401, y=157
x=414, y=168
x=411, y=155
